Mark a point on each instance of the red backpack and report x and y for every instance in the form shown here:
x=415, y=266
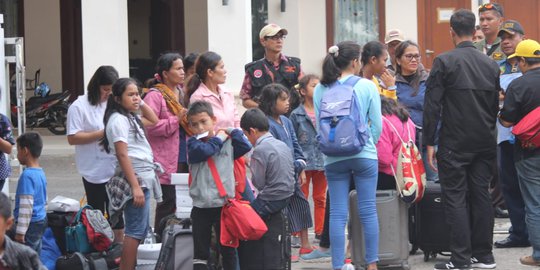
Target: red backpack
x=527, y=130
x=98, y=230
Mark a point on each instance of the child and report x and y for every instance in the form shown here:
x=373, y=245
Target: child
x=207, y=202
x=397, y=126
x=6, y=144
x=274, y=103
x=31, y=195
x=12, y=254
x=271, y=165
x=303, y=119
x=125, y=137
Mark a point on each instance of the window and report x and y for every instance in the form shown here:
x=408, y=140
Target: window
x=357, y=20
x=259, y=18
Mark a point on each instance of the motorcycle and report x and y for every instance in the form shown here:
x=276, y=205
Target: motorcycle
x=44, y=110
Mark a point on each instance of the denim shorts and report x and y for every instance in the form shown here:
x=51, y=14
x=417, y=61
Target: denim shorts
x=136, y=219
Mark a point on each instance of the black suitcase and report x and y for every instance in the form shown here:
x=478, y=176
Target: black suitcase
x=273, y=250
x=427, y=223
x=58, y=221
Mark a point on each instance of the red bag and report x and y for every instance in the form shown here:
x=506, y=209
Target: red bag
x=240, y=176
x=99, y=232
x=238, y=219
x=527, y=130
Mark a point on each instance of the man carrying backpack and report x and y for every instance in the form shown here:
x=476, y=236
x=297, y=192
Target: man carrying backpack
x=521, y=101
x=463, y=96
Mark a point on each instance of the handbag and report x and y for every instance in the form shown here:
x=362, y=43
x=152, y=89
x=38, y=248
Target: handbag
x=76, y=236
x=238, y=219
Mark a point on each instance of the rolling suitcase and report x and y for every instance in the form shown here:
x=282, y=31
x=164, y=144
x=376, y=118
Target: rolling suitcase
x=393, y=230
x=430, y=232
x=273, y=250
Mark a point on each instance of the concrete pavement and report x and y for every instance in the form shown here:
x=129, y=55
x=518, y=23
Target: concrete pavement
x=58, y=162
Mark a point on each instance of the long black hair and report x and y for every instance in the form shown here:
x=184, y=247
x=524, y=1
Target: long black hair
x=104, y=75
x=372, y=49
x=391, y=106
x=269, y=96
x=206, y=61
x=114, y=106
x=338, y=60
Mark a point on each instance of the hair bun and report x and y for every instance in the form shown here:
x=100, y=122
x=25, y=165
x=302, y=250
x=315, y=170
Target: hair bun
x=334, y=51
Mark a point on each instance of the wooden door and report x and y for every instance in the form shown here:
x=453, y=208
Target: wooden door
x=434, y=26
x=526, y=13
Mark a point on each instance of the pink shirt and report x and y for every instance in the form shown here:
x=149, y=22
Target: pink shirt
x=389, y=143
x=164, y=137
x=223, y=105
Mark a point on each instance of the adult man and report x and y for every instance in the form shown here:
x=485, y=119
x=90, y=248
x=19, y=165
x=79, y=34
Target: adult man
x=491, y=17
x=511, y=34
x=462, y=94
x=523, y=96
x=273, y=68
x=392, y=40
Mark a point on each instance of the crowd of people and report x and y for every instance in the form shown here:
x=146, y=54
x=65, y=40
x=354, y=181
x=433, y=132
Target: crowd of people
x=185, y=120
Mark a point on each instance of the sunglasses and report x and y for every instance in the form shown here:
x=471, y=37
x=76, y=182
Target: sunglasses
x=489, y=6
x=276, y=37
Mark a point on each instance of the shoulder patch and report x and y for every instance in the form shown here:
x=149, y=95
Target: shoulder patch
x=257, y=73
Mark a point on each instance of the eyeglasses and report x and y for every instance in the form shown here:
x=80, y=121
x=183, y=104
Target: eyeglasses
x=276, y=37
x=489, y=6
x=410, y=57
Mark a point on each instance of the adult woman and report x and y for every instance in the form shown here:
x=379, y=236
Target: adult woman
x=206, y=84
x=411, y=86
x=84, y=130
x=374, y=57
x=340, y=64
x=167, y=137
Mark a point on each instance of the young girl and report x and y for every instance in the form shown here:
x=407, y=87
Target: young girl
x=303, y=119
x=397, y=127
x=274, y=103
x=126, y=138
x=339, y=65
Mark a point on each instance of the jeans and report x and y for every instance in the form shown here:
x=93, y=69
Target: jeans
x=137, y=219
x=465, y=179
x=34, y=234
x=528, y=171
x=365, y=173
x=511, y=192
x=431, y=175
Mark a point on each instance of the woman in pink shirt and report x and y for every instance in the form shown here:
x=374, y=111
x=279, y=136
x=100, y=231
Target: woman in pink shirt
x=397, y=126
x=165, y=98
x=206, y=84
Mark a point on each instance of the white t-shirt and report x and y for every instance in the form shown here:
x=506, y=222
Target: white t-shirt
x=119, y=129
x=93, y=163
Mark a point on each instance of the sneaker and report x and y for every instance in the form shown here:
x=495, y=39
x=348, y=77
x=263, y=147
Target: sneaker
x=316, y=254
x=305, y=250
x=295, y=242
x=295, y=259
x=347, y=266
x=485, y=262
x=450, y=265
x=529, y=260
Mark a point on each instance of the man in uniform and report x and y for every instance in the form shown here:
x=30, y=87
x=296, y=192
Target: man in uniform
x=522, y=97
x=462, y=94
x=273, y=68
x=511, y=34
x=491, y=18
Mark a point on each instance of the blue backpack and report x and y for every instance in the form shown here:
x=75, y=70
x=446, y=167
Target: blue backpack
x=342, y=128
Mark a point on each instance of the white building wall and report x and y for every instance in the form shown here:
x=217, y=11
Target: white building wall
x=196, y=25
x=305, y=21
x=229, y=35
x=42, y=44
x=104, y=36
x=402, y=15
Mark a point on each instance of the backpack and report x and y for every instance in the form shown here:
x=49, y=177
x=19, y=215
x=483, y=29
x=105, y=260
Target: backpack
x=527, y=130
x=342, y=128
x=99, y=231
x=409, y=173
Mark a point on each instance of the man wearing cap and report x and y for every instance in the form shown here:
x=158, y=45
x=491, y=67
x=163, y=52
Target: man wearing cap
x=392, y=40
x=273, y=68
x=462, y=97
x=511, y=34
x=491, y=18
x=522, y=97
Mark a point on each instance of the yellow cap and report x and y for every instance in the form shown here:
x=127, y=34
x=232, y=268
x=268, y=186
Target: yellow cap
x=527, y=48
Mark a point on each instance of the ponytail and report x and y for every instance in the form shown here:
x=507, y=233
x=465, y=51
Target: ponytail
x=339, y=57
